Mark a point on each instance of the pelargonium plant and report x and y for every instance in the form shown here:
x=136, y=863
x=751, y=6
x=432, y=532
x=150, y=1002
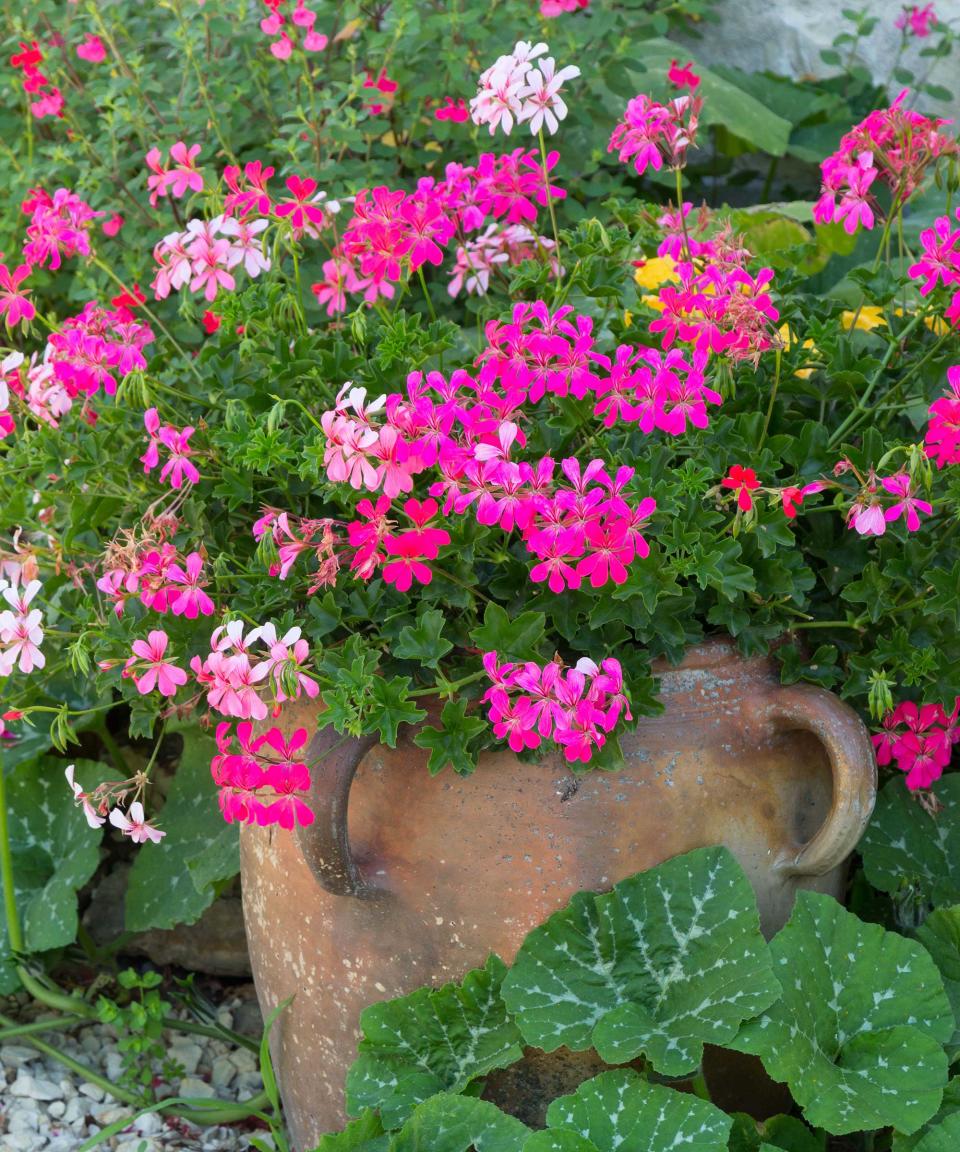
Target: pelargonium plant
x=457, y=455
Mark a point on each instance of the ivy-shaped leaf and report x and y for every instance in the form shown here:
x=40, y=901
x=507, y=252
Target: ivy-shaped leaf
x=940, y=935
x=449, y=744
x=365, y=1134
x=447, y=1123
x=162, y=892
x=424, y=643
x=390, y=706
x=511, y=637
x=55, y=852
x=432, y=1041
x=858, y=1032
x=619, y=1109
x=669, y=960
x=904, y=845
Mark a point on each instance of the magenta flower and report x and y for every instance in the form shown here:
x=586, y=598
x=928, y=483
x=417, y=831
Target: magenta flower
x=92, y=49
x=908, y=504
x=15, y=305
x=192, y=600
x=149, y=657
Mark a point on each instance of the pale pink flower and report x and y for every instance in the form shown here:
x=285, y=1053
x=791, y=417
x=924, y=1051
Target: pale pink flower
x=158, y=672
x=83, y=799
x=134, y=825
x=543, y=106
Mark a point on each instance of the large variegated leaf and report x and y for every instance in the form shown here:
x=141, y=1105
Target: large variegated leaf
x=904, y=845
x=949, y=1106
x=621, y=1110
x=559, y=1140
x=365, y=1134
x=940, y=935
x=432, y=1041
x=945, y=1137
x=670, y=959
x=858, y=1032
x=448, y=1123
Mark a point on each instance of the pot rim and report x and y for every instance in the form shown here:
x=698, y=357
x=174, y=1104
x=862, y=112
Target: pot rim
x=711, y=652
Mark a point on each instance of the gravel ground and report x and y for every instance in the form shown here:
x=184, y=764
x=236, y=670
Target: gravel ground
x=46, y=1108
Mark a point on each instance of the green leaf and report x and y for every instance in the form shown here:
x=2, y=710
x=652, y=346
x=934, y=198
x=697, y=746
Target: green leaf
x=670, y=959
x=940, y=935
x=55, y=852
x=944, y=1138
x=619, y=1109
x=162, y=893
x=449, y=744
x=458, y=1123
x=946, y=599
x=949, y=1106
x=424, y=643
x=363, y=1135
x=859, y=1030
x=559, y=1140
x=792, y=1135
x=904, y=845
x=390, y=707
x=512, y=638
x=432, y=1041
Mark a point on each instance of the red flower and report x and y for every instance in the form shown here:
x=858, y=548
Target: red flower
x=684, y=77
x=743, y=481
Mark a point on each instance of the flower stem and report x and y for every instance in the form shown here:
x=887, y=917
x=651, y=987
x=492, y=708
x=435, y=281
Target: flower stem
x=773, y=397
x=546, y=185
x=14, y=934
x=678, y=172
x=426, y=294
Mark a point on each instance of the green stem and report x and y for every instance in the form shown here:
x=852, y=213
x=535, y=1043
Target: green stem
x=773, y=397
x=699, y=1085
x=546, y=186
x=683, y=220
x=14, y=934
x=116, y=753
x=861, y=405
x=426, y=294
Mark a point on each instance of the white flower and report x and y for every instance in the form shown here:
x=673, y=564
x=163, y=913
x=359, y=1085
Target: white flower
x=543, y=107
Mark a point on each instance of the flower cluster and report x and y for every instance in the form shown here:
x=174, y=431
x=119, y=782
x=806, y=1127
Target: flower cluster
x=97, y=804
x=392, y=234
x=202, y=257
x=21, y=627
x=919, y=740
x=939, y=263
x=59, y=227
x=942, y=441
x=162, y=579
x=49, y=99
x=96, y=348
x=179, y=469
x=176, y=178
x=265, y=781
x=36, y=386
x=234, y=677
x=513, y=89
x=894, y=145
x=149, y=667
x=872, y=509
x=301, y=22
x=496, y=247
x=653, y=134
x=575, y=707
x=916, y=21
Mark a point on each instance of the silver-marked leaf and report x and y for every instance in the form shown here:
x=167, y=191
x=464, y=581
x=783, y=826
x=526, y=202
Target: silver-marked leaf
x=949, y=1106
x=363, y=1135
x=940, y=935
x=944, y=1138
x=904, y=845
x=559, y=1140
x=448, y=1123
x=434, y=1040
x=55, y=852
x=619, y=1109
x=669, y=960
x=858, y=1032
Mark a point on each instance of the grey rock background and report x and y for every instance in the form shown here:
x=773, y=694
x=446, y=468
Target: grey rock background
x=786, y=36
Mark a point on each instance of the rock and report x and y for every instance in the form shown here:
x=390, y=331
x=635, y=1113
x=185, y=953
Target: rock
x=94, y=1091
x=222, y=1072
x=56, y=1109
x=110, y=1113
x=243, y=1060
x=138, y=1144
x=76, y=1109
x=20, y=1142
x=13, y=1055
x=33, y=1088
x=114, y=1066
x=148, y=1124
x=187, y=1055
x=191, y=1086
x=247, y=1084
x=225, y=1018
x=24, y=1120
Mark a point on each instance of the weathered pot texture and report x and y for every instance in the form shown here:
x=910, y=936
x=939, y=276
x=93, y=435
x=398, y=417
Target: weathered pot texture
x=407, y=879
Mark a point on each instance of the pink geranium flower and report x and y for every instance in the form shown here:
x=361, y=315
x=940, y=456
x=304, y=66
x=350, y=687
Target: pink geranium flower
x=155, y=670
x=15, y=305
x=908, y=505
x=133, y=824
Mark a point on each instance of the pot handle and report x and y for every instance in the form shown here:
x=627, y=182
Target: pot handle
x=808, y=708
x=325, y=843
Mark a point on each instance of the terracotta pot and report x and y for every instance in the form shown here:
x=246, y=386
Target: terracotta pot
x=437, y=872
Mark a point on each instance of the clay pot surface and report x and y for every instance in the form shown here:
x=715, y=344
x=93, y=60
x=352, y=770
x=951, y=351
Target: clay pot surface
x=407, y=879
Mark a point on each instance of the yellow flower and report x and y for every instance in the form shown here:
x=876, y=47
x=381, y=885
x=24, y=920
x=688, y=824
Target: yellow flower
x=653, y=302
x=867, y=318
x=789, y=339
x=627, y=318
x=656, y=271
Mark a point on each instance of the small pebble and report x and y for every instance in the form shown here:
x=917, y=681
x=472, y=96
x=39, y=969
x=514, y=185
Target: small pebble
x=56, y=1109
x=187, y=1054
x=94, y=1091
x=35, y=1089
x=222, y=1072
x=13, y=1055
x=191, y=1086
